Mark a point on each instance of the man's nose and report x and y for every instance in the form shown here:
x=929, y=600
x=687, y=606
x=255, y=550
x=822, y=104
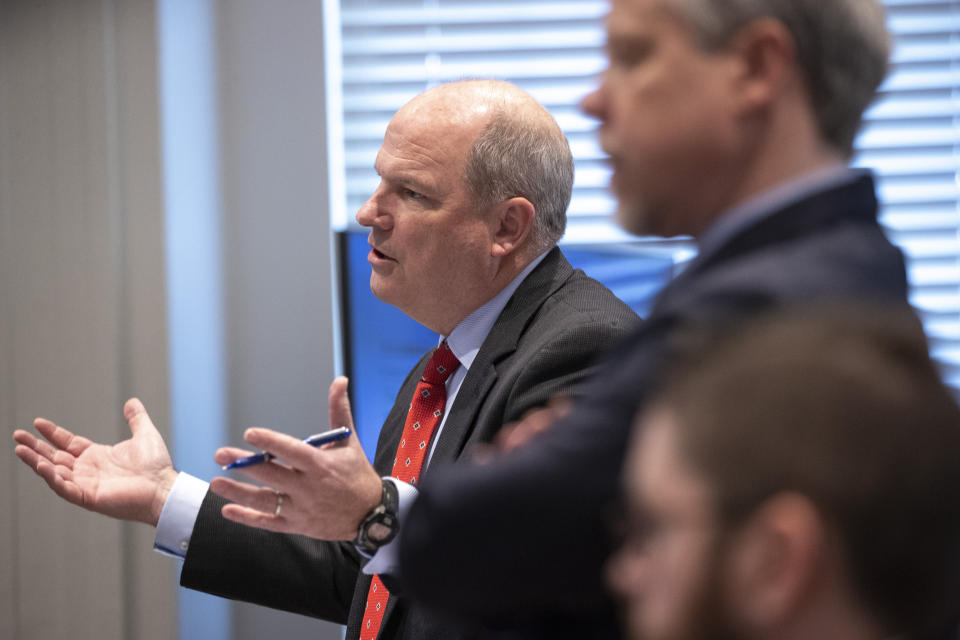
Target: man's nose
x=372, y=213
x=594, y=103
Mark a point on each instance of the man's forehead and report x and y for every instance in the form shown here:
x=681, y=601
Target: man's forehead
x=635, y=18
x=420, y=139
x=658, y=467
x=631, y=9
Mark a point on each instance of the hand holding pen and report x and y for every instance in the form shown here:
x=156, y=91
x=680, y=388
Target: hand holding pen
x=320, y=491
x=314, y=441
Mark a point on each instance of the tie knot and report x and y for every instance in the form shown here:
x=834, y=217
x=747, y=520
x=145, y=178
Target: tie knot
x=441, y=365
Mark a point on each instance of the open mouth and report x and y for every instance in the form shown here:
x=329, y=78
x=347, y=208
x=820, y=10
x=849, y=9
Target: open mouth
x=380, y=255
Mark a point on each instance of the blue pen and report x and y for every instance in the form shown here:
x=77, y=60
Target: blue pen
x=314, y=441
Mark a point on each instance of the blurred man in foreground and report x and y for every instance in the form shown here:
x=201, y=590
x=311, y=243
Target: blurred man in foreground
x=731, y=121
x=797, y=480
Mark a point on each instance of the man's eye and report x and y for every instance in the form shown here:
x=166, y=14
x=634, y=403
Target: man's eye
x=413, y=195
x=628, y=56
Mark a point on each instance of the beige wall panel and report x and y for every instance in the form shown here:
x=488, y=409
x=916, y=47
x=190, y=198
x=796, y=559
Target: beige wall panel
x=64, y=362
x=68, y=328
x=150, y=578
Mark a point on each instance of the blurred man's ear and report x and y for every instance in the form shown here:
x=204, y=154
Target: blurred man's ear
x=774, y=561
x=514, y=223
x=766, y=54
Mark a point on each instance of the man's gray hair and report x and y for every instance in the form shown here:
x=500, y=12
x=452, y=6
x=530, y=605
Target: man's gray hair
x=843, y=48
x=521, y=156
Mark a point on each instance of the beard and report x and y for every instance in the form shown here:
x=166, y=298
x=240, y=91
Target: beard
x=706, y=615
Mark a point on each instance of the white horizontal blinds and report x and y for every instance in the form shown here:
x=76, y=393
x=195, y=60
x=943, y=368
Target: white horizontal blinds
x=394, y=49
x=911, y=139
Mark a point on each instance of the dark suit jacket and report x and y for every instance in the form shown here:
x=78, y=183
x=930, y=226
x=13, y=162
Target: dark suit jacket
x=524, y=537
x=543, y=343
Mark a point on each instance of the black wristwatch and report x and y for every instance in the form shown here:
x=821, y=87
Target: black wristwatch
x=380, y=526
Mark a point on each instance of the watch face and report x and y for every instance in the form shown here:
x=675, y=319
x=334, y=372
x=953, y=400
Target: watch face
x=380, y=525
x=379, y=533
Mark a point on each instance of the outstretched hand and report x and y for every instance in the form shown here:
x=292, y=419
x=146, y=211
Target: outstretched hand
x=325, y=491
x=129, y=480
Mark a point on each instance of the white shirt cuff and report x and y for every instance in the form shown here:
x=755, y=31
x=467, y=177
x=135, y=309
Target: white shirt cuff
x=179, y=514
x=385, y=559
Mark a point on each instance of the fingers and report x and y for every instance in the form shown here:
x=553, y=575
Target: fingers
x=483, y=453
x=60, y=480
x=61, y=438
x=136, y=416
x=533, y=423
x=27, y=454
x=251, y=506
x=561, y=406
x=225, y=455
x=274, y=475
x=288, y=448
x=246, y=495
x=267, y=473
x=58, y=477
x=38, y=447
x=254, y=518
x=339, y=403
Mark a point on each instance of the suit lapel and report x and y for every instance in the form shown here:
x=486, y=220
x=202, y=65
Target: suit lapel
x=502, y=340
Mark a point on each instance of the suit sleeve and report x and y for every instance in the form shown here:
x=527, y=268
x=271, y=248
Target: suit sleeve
x=288, y=572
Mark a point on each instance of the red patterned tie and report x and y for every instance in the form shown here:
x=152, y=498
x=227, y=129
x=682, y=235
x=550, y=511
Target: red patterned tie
x=426, y=410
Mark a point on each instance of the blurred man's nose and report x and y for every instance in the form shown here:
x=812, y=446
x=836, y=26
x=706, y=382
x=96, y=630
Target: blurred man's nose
x=594, y=103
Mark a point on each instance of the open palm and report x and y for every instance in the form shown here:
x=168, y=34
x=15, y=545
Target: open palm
x=129, y=480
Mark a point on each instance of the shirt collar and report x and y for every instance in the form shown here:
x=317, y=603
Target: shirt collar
x=772, y=200
x=467, y=337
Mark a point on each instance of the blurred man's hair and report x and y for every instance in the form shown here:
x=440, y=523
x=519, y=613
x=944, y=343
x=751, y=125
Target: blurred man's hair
x=845, y=407
x=843, y=47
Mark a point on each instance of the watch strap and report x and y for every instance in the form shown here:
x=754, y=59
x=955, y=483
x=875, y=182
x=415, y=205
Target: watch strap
x=385, y=515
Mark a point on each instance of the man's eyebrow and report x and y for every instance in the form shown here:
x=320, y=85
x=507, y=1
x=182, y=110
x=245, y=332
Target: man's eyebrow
x=409, y=181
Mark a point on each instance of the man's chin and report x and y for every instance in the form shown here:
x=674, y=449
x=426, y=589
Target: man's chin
x=640, y=218
x=380, y=289
x=633, y=216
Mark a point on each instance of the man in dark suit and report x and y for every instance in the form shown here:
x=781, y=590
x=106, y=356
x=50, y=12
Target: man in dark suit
x=730, y=122
x=475, y=180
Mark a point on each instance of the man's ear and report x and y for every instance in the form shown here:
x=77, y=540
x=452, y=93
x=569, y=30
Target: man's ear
x=776, y=560
x=766, y=58
x=513, y=222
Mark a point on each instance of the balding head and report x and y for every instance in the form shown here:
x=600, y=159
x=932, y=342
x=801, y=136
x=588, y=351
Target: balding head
x=475, y=178
x=519, y=150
